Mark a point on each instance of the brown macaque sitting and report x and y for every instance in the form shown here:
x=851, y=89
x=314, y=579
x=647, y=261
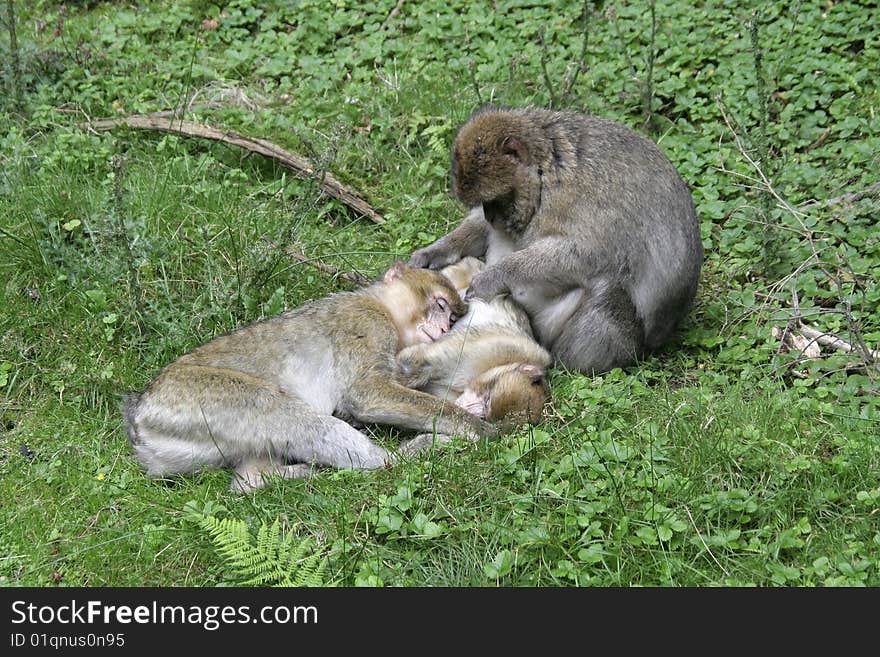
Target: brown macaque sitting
x=584, y=223
x=489, y=363
x=267, y=399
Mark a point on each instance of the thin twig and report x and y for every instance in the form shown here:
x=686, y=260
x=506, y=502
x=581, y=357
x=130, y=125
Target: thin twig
x=648, y=87
x=768, y=186
x=351, y=276
x=17, y=86
x=545, y=57
x=393, y=14
x=820, y=141
x=472, y=68
x=571, y=81
x=849, y=197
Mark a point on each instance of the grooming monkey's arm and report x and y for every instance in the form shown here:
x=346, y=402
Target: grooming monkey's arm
x=469, y=239
x=552, y=262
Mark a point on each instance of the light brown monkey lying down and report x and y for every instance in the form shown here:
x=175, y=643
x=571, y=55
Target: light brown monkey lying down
x=272, y=398
x=489, y=363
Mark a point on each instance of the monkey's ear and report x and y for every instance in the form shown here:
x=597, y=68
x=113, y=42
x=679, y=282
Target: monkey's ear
x=536, y=374
x=514, y=148
x=395, y=272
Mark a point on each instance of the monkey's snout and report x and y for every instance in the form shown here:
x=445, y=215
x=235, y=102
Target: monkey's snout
x=468, y=194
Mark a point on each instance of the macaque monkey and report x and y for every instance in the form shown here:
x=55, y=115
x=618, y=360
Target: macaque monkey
x=489, y=363
x=272, y=398
x=586, y=225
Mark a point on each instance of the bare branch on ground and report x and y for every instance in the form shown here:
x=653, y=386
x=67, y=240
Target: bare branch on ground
x=300, y=165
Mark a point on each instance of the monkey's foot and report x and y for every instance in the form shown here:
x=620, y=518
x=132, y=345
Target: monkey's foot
x=256, y=474
x=421, y=443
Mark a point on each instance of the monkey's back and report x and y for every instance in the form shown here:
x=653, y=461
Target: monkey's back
x=492, y=334
x=603, y=177
x=343, y=335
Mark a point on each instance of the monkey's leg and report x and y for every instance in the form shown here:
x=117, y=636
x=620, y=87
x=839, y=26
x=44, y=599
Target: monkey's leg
x=331, y=441
x=603, y=333
x=196, y=416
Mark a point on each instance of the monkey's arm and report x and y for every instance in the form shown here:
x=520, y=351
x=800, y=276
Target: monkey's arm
x=435, y=362
x=382, y=401
x=550, y=266
x=469, y=239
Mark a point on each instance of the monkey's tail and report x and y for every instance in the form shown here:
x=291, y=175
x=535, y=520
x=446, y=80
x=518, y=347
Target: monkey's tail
x=129, y=406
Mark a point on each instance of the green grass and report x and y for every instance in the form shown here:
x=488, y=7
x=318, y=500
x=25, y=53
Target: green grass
x=716, y=462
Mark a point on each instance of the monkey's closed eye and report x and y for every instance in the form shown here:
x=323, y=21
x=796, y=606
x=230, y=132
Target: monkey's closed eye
x=443, y=303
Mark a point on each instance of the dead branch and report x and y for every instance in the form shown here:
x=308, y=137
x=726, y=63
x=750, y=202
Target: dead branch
x=393, y=14
x=804, y=340
x=351, y=276
x=850, y=197
x=820, y=141
x=831, y=340
x=300, y=165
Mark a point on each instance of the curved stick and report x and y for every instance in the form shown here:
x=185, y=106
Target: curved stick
x=300, y=165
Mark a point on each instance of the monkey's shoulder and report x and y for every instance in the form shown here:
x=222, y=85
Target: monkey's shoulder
x=360, y=322
x=340, y=322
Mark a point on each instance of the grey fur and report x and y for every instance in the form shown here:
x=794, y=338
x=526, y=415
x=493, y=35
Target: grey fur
x=586, y=224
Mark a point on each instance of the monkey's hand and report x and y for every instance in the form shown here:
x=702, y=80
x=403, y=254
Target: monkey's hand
x=469, y=239
x=413, y=369
x=487, y=285
x=435, y=256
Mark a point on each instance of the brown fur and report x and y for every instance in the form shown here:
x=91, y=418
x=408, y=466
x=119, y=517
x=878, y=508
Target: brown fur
x=489, y=363
x=586, y=224
x=268, y=398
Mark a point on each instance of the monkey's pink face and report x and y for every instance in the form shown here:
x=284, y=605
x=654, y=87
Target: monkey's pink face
x=438, y=321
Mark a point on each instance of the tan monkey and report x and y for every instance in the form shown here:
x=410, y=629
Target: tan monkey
x=586, y=224
x=489, y=363
x=272, y=398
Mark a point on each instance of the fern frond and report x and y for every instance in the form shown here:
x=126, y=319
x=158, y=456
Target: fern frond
x=273, y=558
x=310, y=571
